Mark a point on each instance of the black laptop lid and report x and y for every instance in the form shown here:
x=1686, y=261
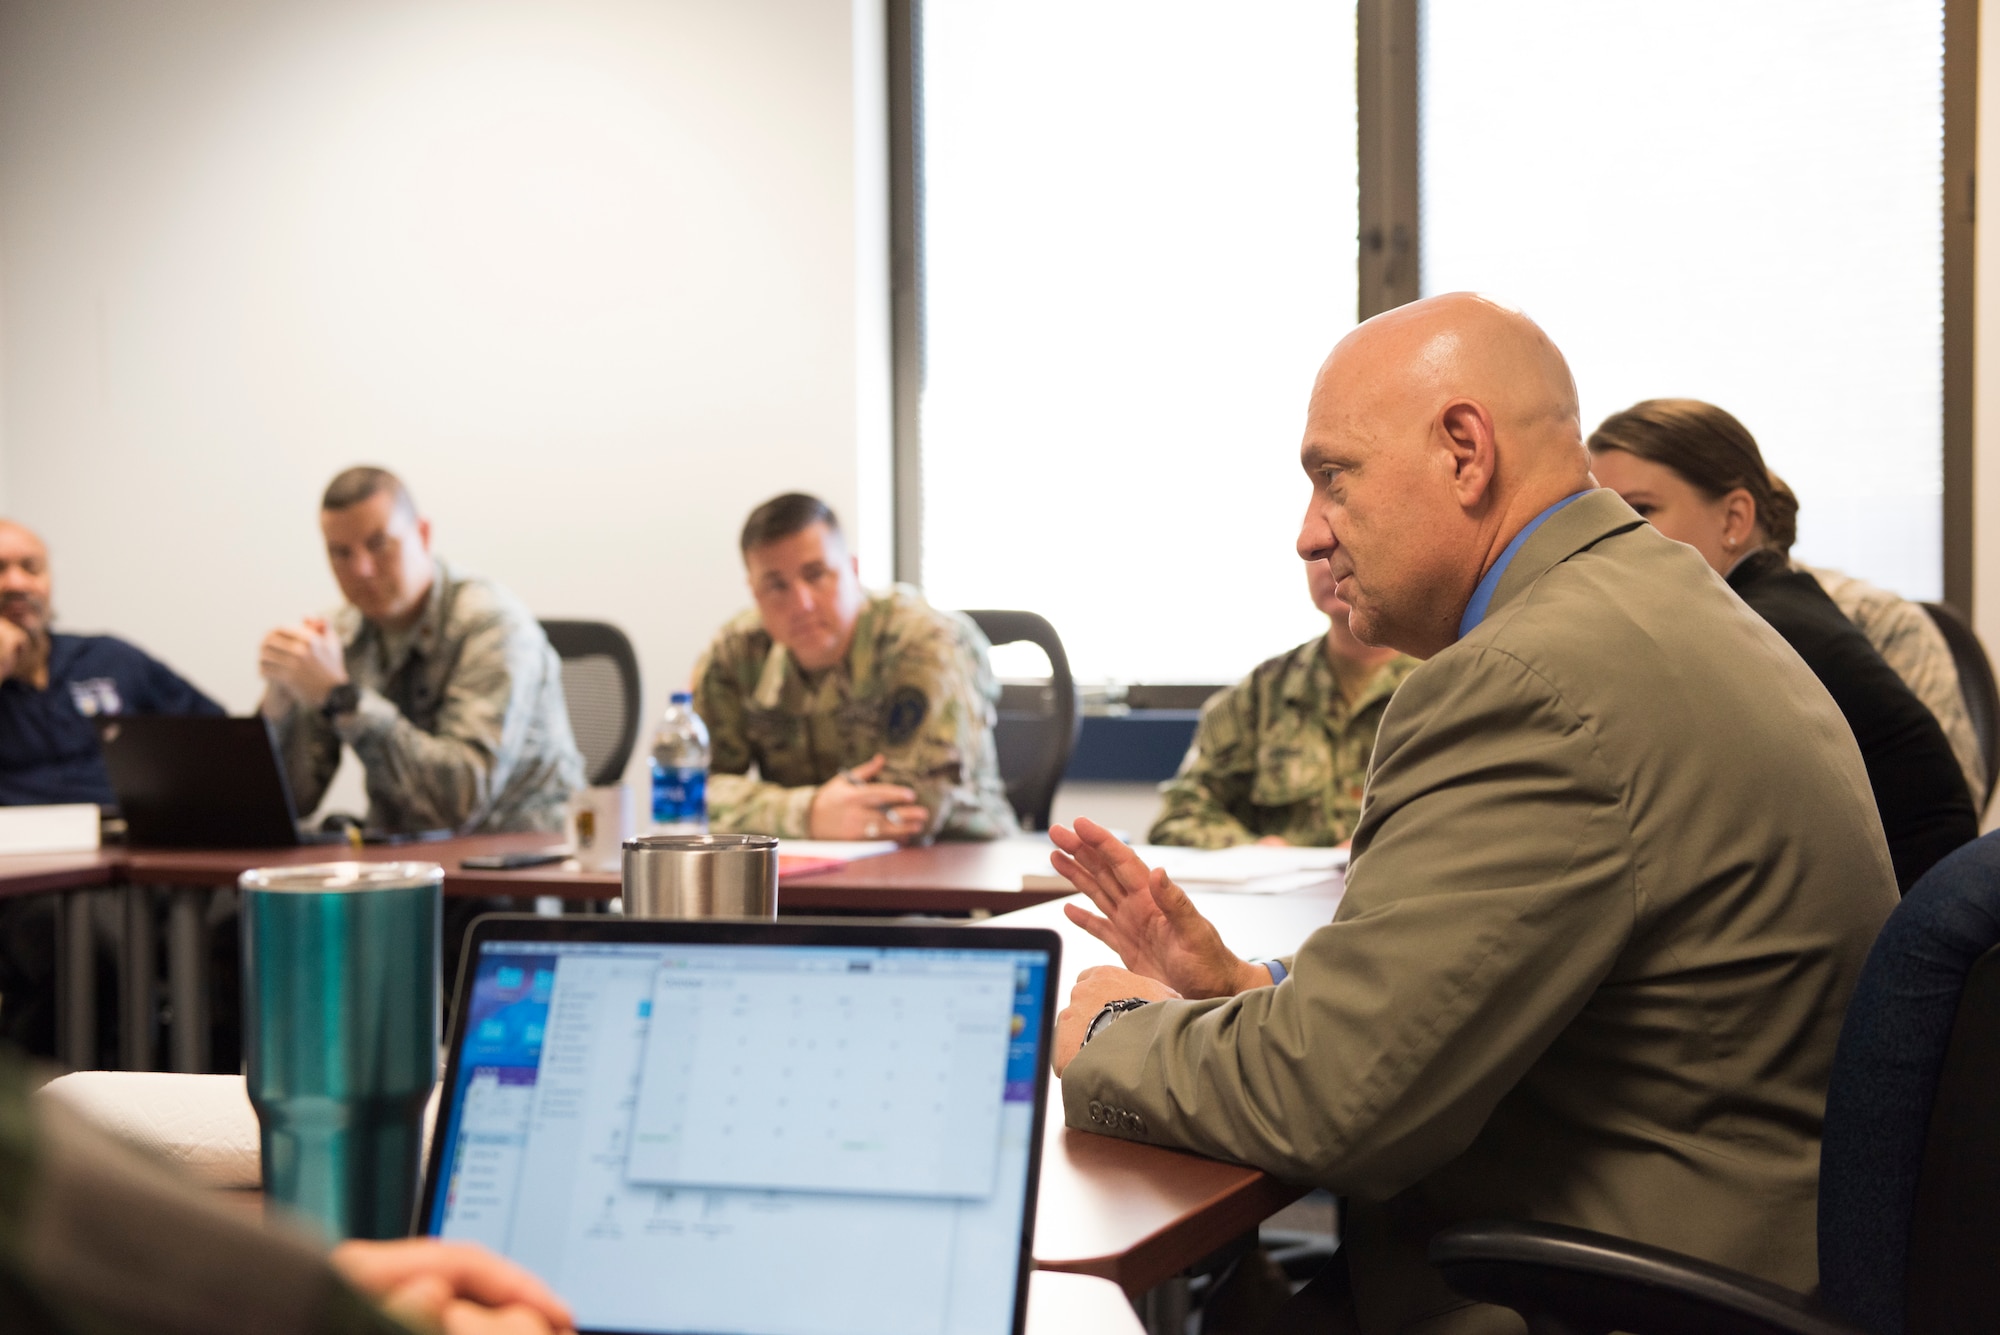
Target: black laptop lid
x=796, y=1128
x=200, y=782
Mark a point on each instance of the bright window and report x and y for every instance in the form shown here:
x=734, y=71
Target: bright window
x=1139, y=243
x=1726, y=201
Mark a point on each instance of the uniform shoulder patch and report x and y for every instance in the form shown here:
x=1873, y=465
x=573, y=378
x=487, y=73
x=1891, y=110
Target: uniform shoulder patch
x=904, y=713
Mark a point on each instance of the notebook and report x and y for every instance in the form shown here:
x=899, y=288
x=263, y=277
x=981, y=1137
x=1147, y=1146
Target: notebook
x=731, y=1127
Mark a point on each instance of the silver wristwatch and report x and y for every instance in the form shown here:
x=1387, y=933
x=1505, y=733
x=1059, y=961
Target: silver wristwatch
x=1112, y=1010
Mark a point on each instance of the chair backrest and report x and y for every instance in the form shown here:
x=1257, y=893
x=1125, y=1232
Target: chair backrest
x=1912, y=1116
x=1975, y=684
x=600, y=680
x=1953, y=1283
x=1037, y=727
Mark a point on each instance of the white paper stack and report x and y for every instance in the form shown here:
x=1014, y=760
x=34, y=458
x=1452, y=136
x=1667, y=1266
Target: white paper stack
x=70, y=828
x=202, y=1123
x=847, y=850
x=1248, y=869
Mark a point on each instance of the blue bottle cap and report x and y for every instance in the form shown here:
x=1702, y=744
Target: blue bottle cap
x=682, y=698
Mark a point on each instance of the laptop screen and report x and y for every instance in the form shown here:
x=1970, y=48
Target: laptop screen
x=750, y=1137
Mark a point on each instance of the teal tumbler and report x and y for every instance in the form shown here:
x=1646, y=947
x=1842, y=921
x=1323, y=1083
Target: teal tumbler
x=340, y=1036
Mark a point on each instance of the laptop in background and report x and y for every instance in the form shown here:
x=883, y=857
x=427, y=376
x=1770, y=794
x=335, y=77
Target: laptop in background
x=198, y=782
x=729, y=1127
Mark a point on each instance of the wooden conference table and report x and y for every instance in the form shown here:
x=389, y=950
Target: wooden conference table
x=1077, y=1305
x=948, y=879
x=958, y=878
x=1133, y=1214
x=1137, y=1214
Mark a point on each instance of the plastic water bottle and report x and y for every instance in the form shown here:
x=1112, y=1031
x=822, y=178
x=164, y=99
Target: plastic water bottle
x=680, y=770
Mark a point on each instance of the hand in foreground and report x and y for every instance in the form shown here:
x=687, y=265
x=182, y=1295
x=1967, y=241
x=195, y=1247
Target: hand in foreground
x=1096, y=988
x=1147, y=919
x=454, y=1287
x=306, y=659
x=850, y=806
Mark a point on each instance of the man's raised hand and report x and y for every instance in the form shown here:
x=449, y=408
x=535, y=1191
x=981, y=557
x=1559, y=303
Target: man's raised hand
x=13, y=648
x=1147, y=919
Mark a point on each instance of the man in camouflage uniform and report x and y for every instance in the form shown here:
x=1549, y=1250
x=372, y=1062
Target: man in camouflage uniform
x=1910, y=642
x=834, y=713
x=444, y=685
x=1280, y=757
x=96, y=1239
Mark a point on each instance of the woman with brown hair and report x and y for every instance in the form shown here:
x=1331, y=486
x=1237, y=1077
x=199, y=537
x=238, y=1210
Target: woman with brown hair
x=1696, y=474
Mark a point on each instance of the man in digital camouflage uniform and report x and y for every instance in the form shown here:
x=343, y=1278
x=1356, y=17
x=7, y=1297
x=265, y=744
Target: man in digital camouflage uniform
x=1910, y=642
x=98, y=1239
x=444, y=684
x=1280, y=757
x=834, y=713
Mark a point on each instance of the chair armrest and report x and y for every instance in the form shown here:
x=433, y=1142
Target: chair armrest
x=1570, y=1281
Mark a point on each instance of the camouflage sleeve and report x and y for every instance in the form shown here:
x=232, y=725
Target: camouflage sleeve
x=96, y=1239
x=1910, y=643
x=1204, y=804
x=310, y=750
x=448, y=778
x=937, y=729
x=737, y=802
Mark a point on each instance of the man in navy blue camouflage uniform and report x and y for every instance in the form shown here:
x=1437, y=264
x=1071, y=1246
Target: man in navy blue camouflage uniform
x=53, y=688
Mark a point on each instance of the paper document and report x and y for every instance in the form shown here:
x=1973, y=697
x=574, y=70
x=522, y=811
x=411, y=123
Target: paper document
x=847, y=850
x=70, y=828
x=1242, y=864
x=1247, y=869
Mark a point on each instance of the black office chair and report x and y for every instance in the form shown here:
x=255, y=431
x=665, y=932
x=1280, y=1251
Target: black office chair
x=600, y=680
x=1909, y=1193
x=1976, y=684
x=1037, y=727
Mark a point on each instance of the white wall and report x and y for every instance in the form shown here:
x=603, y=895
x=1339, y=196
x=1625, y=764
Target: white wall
x=594, y=277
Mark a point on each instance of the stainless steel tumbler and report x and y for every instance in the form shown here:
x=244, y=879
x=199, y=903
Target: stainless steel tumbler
x=340, y=1035
x=701, y=876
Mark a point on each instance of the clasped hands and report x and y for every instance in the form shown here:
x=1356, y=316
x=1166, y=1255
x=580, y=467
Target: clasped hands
x=1168, y=948
x=303, y=663
x=851, y=805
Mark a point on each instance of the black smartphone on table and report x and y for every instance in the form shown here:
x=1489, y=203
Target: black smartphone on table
x=512, y=861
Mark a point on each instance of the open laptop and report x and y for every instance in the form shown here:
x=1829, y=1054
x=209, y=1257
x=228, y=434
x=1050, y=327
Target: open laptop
x=796, y=1128
x=198, y=782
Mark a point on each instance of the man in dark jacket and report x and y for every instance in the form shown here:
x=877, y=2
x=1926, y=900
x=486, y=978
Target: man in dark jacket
x=54, y=687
